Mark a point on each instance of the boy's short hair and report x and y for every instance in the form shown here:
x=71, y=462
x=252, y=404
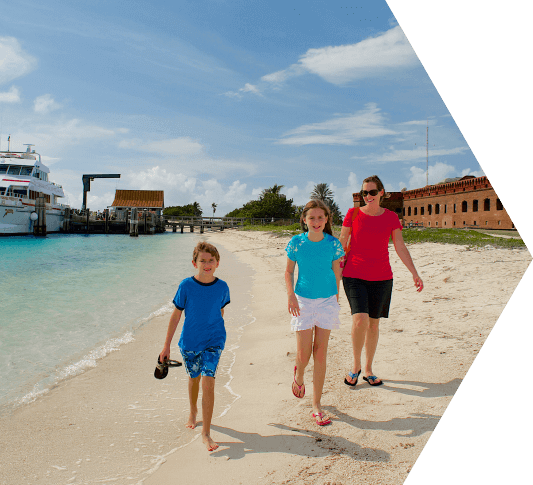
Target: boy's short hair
x=205, y=247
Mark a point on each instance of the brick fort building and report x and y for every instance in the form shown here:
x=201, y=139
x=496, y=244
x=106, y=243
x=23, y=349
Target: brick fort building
x=454, y=203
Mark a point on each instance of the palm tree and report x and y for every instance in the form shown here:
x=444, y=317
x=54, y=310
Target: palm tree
x=272, y=190
x=197, y=209
x=214, y=207
x=323, y=193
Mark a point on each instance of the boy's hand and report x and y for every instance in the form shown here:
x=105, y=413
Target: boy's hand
x=164, y=355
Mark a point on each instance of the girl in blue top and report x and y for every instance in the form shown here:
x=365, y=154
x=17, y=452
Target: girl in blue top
x=314, y=303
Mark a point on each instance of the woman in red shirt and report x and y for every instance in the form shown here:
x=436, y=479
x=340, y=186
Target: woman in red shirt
x=367, y=275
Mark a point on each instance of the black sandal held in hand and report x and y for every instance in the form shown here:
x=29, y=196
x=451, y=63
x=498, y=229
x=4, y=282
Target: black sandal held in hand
x=161, y=370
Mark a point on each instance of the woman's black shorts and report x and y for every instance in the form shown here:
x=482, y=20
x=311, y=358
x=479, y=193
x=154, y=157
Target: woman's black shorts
x=371, y=297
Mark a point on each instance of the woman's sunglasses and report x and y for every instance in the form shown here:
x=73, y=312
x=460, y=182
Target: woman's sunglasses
x=372, y=192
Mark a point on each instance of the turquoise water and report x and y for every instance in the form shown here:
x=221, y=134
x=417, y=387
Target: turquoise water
x=68, y=300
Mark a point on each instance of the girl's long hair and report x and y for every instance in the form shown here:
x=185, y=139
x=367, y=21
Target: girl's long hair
x=316, y=204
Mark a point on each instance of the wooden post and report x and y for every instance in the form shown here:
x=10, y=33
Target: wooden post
x=174, y=227
x=39, y=227
x=87, y=226
x=66, y=220
x=181, y=227
x=134, y=223
x=106, y=226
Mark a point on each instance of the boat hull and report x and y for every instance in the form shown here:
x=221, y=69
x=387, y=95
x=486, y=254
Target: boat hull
x=15, y=217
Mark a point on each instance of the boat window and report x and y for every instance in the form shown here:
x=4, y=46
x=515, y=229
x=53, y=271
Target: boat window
x=14, y=170
x=26, y=170
x=36, y=173
x=19, y=192
x=3, y=168
x=2, y=190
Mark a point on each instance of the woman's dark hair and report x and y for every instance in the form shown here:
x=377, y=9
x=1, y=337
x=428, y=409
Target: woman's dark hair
x=379, y=185
x=316, y=204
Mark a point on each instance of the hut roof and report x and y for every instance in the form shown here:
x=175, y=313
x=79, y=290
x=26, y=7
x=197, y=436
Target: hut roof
x=139, y=198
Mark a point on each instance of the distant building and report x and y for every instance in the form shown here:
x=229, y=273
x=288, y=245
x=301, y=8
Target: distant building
x=151, y=200
x=453, y=203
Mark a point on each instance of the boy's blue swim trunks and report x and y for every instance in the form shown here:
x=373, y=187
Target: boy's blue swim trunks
x=203, y=362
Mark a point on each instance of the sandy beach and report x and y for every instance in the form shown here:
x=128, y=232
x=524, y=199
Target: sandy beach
x=117, y=424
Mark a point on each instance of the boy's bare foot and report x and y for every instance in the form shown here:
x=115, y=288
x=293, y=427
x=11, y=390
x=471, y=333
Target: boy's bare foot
x=191, y=422
x=209, y=443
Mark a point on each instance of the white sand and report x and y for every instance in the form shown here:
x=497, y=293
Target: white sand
x=117, y=424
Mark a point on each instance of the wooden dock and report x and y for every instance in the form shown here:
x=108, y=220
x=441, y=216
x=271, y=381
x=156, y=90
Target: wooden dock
x=137, y=222
x=202, y=223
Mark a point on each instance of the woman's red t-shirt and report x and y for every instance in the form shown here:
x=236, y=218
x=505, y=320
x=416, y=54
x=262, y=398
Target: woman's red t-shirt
x=368, y=258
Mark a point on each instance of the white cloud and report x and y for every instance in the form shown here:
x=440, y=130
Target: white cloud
x=158, y=178
x=11, y=96
x=342, y=130
x=475, y=173
x=44, y=104
x=14, y=62
x=418, y=153
x=374, y=56
x=436, y=174
x=174, y=146
x=248, y=88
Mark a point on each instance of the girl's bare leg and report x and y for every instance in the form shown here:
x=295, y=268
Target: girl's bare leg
x=194, y=389
x=208, y=402
x=304, y=348
x=320, y=352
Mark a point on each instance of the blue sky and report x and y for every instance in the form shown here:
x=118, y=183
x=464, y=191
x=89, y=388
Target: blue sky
x=214, y=101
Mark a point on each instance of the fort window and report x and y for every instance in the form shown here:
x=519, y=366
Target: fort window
x=499, y=205
x=409, y=211
x=474, y=206
x=416, y=209
x=421, y=211
x=429, y=209
x=465, y=206
x=454, y=223
x=454, y=208
x=475, y=223
x=437, y=223
x=429, y=224
x=437, y=208
x=404, y=211
x=445, y=208
x=486, y=205
x=499, y=223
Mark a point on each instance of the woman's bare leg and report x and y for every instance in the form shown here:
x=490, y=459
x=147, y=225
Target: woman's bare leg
x=360, y=323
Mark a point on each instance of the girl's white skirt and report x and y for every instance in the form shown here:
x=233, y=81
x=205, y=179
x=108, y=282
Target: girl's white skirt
x=320, y=312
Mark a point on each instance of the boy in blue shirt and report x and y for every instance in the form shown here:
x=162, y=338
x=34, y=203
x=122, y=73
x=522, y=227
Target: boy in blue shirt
x=203, y=298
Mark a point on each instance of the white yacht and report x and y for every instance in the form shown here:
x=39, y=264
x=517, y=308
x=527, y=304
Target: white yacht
x=23, y=177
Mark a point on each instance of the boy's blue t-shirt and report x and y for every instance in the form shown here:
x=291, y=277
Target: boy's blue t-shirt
x=203, y=326
x=316, y=278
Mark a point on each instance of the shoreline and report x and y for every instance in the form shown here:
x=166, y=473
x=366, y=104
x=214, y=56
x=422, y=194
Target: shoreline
x=127, y=427
x=115, y=422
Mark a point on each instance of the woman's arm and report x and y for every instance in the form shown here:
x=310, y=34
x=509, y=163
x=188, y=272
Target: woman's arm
x=403, y=254
x=294, y=308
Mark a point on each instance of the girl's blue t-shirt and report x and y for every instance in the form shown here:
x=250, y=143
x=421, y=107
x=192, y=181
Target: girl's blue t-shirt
x=203, y=326
x=316, y=278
